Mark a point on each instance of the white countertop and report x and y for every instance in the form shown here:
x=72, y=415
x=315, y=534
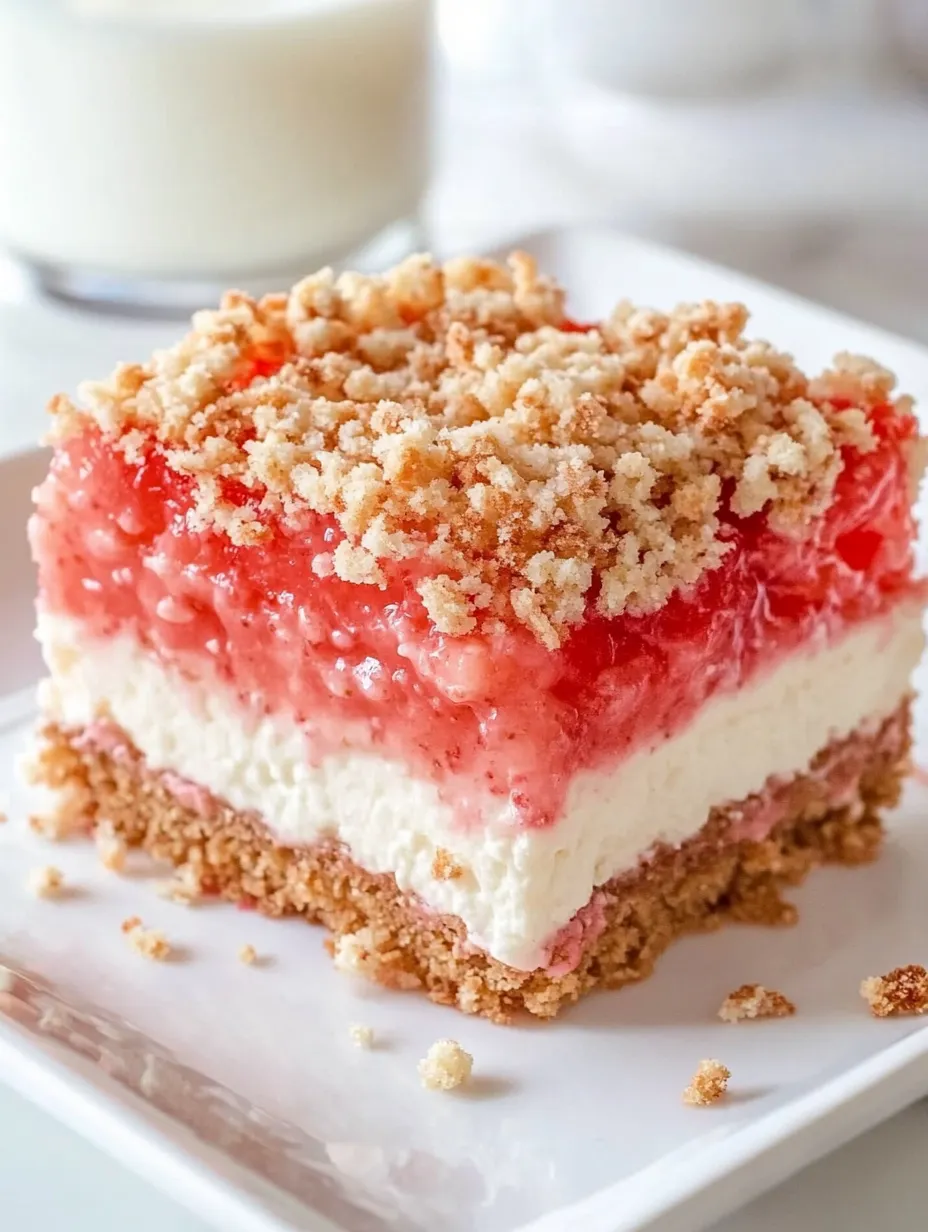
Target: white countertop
x=52, y=1181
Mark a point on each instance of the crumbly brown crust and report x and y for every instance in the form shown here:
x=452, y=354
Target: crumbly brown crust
x=183, y=887
x=903, y=990
x=708, y=1084
x=385, y=935
x=453, y=415
x=754, y=1001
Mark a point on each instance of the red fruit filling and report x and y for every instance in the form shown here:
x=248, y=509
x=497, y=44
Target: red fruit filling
x=498, y=716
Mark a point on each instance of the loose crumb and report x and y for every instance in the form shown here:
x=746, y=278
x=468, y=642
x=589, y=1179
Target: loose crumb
x=46, y=882
x=445, y=1066
x=3, y=818
x=755, y=1001
x=709, y=1084
x=149, y=942
x=354, y=953
x=361, y=1036
x=247, y=954
x=903, y=990
x=111, y=848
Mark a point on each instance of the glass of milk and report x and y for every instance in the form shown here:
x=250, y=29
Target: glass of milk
x=152, y=151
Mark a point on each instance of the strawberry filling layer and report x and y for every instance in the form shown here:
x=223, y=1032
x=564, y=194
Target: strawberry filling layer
x=484, y=717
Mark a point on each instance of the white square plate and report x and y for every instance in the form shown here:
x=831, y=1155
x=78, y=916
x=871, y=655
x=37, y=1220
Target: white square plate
x=239, y=1091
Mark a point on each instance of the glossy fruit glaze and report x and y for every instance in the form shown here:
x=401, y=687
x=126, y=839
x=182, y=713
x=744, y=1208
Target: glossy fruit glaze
x=499, y=715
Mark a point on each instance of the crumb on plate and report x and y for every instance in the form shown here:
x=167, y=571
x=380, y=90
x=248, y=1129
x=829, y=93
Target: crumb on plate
x=361, y=1036
x=708, y=1085
x=755, y=1001
x=149, y=942
x=247, y=954
x=46, y=882
x=445, y=1066
x=904, y=990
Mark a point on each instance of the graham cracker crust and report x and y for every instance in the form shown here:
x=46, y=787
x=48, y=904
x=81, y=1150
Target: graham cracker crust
x=829, y=815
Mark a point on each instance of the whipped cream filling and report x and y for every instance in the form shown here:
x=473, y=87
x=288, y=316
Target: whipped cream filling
x=517, y=887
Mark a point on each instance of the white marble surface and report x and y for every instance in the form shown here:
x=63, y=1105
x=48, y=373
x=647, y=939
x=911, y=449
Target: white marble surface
x=502, y=178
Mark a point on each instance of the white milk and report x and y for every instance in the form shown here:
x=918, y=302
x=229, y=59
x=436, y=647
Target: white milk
x=179, y=138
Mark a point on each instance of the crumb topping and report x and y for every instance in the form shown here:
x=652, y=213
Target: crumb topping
x=903, y=990
x=754, y=1001
x=361, y=1036
x=708, y=1085
x=458, y=429
x=149, y=942
x=445, y=1066
x=445, y=867
x=46, y=882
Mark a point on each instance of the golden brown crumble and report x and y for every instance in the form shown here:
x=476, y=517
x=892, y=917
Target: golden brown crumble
x=361, y=1036
x=445, y=867
x=452, y=414
x=248, y=955
x=902, y=991
x=445, y=1066
x=708, y=1085
x=149, y=942
x=754, y=1001
x=46, y=882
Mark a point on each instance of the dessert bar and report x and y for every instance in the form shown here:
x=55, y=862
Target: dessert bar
x=506, y=646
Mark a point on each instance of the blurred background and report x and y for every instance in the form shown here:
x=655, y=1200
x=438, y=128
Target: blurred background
x=178, y=145
x=789, y=139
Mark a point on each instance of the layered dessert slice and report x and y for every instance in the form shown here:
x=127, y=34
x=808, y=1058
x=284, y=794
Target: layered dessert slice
x=506, y=647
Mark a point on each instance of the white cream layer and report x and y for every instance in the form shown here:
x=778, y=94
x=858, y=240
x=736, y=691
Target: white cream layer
x=520, y=885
